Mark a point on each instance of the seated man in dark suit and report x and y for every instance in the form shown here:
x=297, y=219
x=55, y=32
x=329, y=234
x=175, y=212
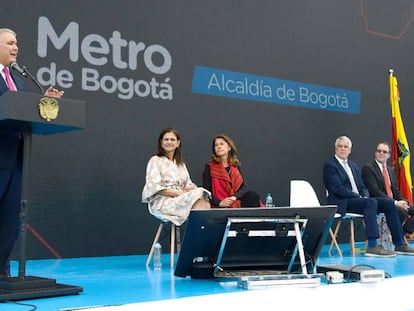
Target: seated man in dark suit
x=346, y=189
x=381, y=182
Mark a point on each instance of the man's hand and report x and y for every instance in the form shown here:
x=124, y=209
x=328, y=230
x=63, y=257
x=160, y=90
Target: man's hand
x=402, y=204
x=52, y=92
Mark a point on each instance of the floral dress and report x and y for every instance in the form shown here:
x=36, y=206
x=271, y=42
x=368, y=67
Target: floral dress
x=165, y=174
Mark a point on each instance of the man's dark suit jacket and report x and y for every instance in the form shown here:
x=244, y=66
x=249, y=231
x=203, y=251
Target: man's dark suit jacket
x=9, y=143
x=374, y=180
x=338, y=185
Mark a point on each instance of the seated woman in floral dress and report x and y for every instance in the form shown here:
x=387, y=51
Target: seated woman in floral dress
x=168, y=189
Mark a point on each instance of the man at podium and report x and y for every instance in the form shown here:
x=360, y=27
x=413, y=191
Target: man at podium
x=11, y=154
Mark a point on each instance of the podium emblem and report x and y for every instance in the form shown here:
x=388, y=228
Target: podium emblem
x=48, y=108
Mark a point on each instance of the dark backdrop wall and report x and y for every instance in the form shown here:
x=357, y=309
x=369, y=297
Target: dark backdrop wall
x=86, y=185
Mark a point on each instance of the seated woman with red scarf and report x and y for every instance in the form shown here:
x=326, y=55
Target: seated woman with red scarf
x=223, y=178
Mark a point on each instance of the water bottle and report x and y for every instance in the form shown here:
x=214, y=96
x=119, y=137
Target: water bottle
x=269, y=200
x=157, y=256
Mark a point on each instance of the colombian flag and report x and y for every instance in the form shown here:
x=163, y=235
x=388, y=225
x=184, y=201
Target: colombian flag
x=400, y=149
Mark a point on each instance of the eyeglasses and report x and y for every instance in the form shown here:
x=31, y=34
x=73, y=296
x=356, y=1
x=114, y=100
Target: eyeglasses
x=382, y=151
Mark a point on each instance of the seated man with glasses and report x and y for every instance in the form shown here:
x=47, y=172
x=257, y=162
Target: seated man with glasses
x=381, y=182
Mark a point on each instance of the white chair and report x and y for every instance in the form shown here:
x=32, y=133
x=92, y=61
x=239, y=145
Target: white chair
x=384, y=231
x=302, y=194
x=350, y=217
x=174, y=241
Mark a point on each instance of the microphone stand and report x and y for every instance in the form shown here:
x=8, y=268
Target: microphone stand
x=27, y=72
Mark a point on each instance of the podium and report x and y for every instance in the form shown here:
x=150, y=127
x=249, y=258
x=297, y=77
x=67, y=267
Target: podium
x=29, y=114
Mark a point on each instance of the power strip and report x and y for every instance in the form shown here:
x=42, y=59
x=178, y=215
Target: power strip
x=355, y=273
x=373, y=275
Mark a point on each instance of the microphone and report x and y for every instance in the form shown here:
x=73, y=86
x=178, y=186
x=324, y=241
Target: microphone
x=16, y=67
x=26, y=73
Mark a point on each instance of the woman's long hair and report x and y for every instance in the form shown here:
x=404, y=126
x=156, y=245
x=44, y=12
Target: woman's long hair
x=177, y=153
x=232, y=158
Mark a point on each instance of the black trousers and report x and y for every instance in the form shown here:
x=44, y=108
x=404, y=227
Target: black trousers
x=250, y=199
x=9, y=219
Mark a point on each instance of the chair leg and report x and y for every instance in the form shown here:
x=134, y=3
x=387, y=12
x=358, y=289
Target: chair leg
x=172, y=243
x=157, y=236
x=352, y=237
x=335, y=242
x=178, y=240
x=335, y=234
x=382, y=230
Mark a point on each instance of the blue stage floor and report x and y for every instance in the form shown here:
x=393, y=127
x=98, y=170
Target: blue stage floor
x=109, y=281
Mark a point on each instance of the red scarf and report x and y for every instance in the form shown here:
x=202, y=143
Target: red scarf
x=224, y=184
